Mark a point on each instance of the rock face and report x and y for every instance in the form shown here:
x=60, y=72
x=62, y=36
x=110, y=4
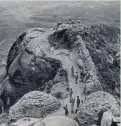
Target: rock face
x=87, y=113
x=57, y=121
x=102, y=42
x=29, y=65
x=34, y=104
x=100, y=48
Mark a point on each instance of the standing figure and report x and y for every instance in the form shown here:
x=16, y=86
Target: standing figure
x=72, y=71
x=78, y=101
x=66, y=110
x=72, y=105
x=100, y=114
x=66, y=77
x=70, y=94
x=76, y=78
x=67, y=88
x=107, y=117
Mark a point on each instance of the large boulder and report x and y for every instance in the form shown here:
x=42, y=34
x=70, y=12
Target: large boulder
x=60, y=90
x=29, y=63
x=26, y=122
x=34, y=104
x=57, y=121
x=3, y=119
x=87, y=113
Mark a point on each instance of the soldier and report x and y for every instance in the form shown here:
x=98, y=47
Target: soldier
x=100, y=114
x=72, y=105
x=66, y=110
x=107, y=117
x=72, y=71
x=78, y=102
x=66, y=77
x=70, y=94
x=67, y=88
x=76, y=78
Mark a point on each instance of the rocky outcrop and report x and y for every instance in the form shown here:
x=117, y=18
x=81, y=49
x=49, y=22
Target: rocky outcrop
x=34, y=104
x=62, y=39
x=75, y=25
x=100, y=46
x=87, y=113
x=57, y=121
x=60, y=90
x=29, y=63
x=31, y=66
x=102, y=43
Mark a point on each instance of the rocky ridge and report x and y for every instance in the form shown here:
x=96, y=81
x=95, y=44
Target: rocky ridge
x=99, y=44
x=34, y=67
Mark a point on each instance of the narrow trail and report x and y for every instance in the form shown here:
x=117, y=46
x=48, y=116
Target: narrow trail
x=68, y=60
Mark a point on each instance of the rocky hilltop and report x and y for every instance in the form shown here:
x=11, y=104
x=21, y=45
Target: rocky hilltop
x=40, y=60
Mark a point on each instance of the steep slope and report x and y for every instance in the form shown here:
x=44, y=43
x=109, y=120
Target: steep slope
x=103, y=44
x=35, y=61
x=101, y=41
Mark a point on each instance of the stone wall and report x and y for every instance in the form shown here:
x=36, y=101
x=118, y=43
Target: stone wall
x=93, y=84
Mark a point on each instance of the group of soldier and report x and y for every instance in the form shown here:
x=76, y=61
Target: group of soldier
x=72, y=102
x=84, y=76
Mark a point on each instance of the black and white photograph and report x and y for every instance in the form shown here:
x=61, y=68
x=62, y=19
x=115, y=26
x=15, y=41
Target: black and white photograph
x=59, y=63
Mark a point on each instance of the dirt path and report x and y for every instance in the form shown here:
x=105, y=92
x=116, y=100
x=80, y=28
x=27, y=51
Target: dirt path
x=68, y=60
